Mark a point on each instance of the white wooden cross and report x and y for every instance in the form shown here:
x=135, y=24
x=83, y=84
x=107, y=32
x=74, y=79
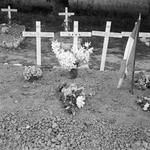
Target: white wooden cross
x=38, y=34
x=141, y=34
x=75, y=34
x=106, y=34
x=9, y=10
x=66, y=14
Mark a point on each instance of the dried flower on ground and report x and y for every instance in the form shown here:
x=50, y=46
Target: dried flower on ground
x=31, y=73
x=144, y=103
x=142, y=81
x=72, y=97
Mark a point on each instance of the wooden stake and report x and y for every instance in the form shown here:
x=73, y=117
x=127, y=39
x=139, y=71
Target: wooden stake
x=133, y=70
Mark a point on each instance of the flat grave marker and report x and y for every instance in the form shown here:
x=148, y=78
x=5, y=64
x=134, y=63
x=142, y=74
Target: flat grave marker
x=38, y=35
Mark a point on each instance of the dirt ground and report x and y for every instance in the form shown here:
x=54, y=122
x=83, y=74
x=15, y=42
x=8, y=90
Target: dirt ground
x=32, y=117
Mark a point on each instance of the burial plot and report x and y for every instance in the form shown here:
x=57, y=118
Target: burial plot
x=75, y=40
x=10, y=34
x=38, y=35
x=106, y=36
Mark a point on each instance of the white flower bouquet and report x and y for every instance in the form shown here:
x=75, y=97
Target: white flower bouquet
x=31, y=73
x=70, y=59
x=144, y=103
x=72, y=97
x=141, y=80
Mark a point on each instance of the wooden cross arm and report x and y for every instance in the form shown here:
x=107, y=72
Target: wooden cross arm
x=28, y=34
x=46, y=34
x=68, y=14
x=6, y=9
x=71, y=34
x=37, y=34
x=141, y=34
x=103, y=34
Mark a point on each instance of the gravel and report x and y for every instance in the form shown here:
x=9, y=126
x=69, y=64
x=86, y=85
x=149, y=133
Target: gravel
x=66, y=133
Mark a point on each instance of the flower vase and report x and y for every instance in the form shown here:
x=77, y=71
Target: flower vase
x=73, y=73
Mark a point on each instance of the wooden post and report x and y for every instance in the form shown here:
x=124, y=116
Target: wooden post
x=105, y=45
x=67, y=15
x=38, y=34
x=38, y=42
x=106, y=36
x=9, y=10
x=134, y=54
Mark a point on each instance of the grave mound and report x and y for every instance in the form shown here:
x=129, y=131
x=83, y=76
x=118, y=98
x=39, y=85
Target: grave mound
x=11, y=35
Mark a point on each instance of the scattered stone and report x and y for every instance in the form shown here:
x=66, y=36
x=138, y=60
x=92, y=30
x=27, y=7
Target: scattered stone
x=145, y=144
x=49, y=130
x=59, y=137
x=27, y=127
x=54, y=125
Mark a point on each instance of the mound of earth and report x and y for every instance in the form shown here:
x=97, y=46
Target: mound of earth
x=11, y=35
x=32, y=117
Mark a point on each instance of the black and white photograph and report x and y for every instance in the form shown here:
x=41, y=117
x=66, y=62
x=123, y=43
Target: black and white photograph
x=74, y=74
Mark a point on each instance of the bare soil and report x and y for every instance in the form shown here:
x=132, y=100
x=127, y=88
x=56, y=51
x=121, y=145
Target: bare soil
x=32, y=117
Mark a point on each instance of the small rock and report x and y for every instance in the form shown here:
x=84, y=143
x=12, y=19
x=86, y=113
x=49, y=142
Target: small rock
x=17, y=137
x=136, y=145
x=145, y=144
x=16, y=101
x=27, y=126
x=53, y=145
x=53, y=140
x=127, y=145
x=54, y=125
x=59, y=137
x=26, y=86
x=26, y=148
x=49, y=143
x=1, y=141
x=49, y=130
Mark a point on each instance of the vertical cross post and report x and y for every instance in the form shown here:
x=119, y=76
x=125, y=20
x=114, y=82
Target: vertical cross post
x=38, y=35
x=67, y=15
x=106, y=36
x=38, y=42
x=9, y=10
x=105, y=46
x=75, y=34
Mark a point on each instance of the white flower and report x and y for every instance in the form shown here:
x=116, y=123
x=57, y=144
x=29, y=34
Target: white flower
x=73, y=87
x=87, y=44
x=68, y=59
x=27, y=127
x=146, y=106
x=80, y=101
